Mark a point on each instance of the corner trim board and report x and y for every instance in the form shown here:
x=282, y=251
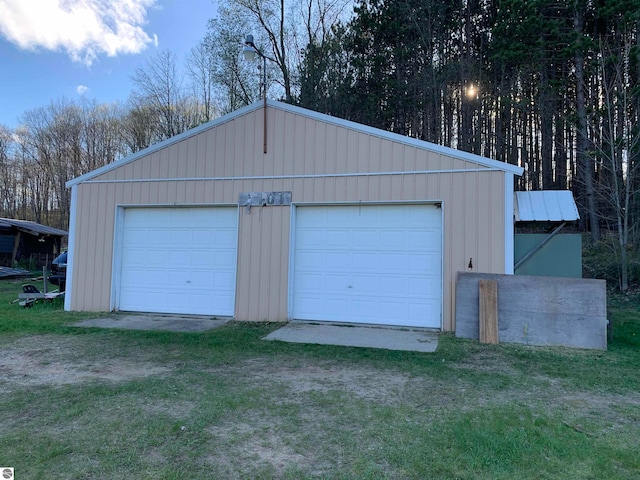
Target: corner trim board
x=73, y=212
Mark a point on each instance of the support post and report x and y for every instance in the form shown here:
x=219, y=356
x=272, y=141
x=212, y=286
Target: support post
x=16, y=244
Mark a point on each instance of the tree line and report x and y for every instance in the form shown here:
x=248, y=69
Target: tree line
x=552, y=86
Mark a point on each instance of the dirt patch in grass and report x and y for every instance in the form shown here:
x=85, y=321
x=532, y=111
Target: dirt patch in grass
x=307, y=376
x=256, y=443
x=63, y=360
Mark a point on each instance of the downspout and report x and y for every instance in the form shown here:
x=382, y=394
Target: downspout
x=537, y=248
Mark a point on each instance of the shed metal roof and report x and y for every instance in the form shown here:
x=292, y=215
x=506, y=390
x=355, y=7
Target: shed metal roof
x=32, y=227
x=545, y=206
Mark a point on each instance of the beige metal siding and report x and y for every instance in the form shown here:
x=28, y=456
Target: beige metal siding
x=296, y=146
x=473, y=201
x=263, y=255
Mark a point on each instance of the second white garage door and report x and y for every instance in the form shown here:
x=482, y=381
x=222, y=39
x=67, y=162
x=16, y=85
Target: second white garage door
x=378, y=264
x=178, y=260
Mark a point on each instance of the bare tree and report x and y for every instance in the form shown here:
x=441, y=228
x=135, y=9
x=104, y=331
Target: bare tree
x=617, y=153
x=139, y=127
x=200, y=66
x=53, y=145
x=9, y=173
x=102, y=135
x=159, y=87
x=585, y=162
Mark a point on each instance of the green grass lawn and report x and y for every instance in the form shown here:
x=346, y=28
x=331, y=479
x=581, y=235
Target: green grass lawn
x=106, y=404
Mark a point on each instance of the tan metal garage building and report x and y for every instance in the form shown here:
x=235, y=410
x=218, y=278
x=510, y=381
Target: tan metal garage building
x=336, y=222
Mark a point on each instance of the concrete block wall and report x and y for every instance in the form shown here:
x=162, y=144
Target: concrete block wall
x=535, y=310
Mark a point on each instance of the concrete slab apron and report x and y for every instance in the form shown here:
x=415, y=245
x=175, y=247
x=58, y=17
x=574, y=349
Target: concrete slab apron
x=170, y=323
x=357, y=336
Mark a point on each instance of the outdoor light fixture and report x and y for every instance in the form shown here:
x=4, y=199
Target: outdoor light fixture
x=249, y=52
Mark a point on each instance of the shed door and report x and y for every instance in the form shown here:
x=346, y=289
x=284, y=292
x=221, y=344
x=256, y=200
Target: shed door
x=377, y=264
x=179, y=260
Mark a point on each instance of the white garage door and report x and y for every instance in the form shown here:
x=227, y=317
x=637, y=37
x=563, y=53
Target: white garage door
x=178, y=260
x=368, y=264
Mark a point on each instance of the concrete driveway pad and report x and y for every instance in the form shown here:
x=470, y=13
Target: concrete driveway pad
x=390, y=338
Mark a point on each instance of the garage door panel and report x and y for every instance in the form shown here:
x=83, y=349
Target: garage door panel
x=157, y=279
x=138, y=237
x=370, y=264
x=390, y=308
x=422, y=310
x=310, y=260
x=224, y=259
x=390, y=240
x=191, y=270
x=419, y=287
x=337, y=238
x=312, y=238
x=395, y=285
x=223, y=279
x=134, y=256
x=335, y=260
x=200, y=279
x=364, y=308
x=203, y=259
x=156, y=258
x=392, y=262
x=336, y=282
x=200, y=238
x=177, y=238
x=421, y=239
x=226, y=238
x=361, y=262
x=367, y=283
x=307, y=281
x=366, y=238
x=178, y=259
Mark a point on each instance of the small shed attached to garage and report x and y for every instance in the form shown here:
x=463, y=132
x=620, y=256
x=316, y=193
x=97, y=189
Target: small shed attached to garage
x=540, y=246
x=305, y=217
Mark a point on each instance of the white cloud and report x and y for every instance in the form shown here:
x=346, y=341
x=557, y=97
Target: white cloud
x=155, y=40
x=82, y=28
x=82, y=89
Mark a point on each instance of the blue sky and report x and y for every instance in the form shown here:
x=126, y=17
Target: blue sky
x=53, y=49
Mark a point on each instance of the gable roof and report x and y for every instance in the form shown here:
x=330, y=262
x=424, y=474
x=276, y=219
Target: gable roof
x=347, y=124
